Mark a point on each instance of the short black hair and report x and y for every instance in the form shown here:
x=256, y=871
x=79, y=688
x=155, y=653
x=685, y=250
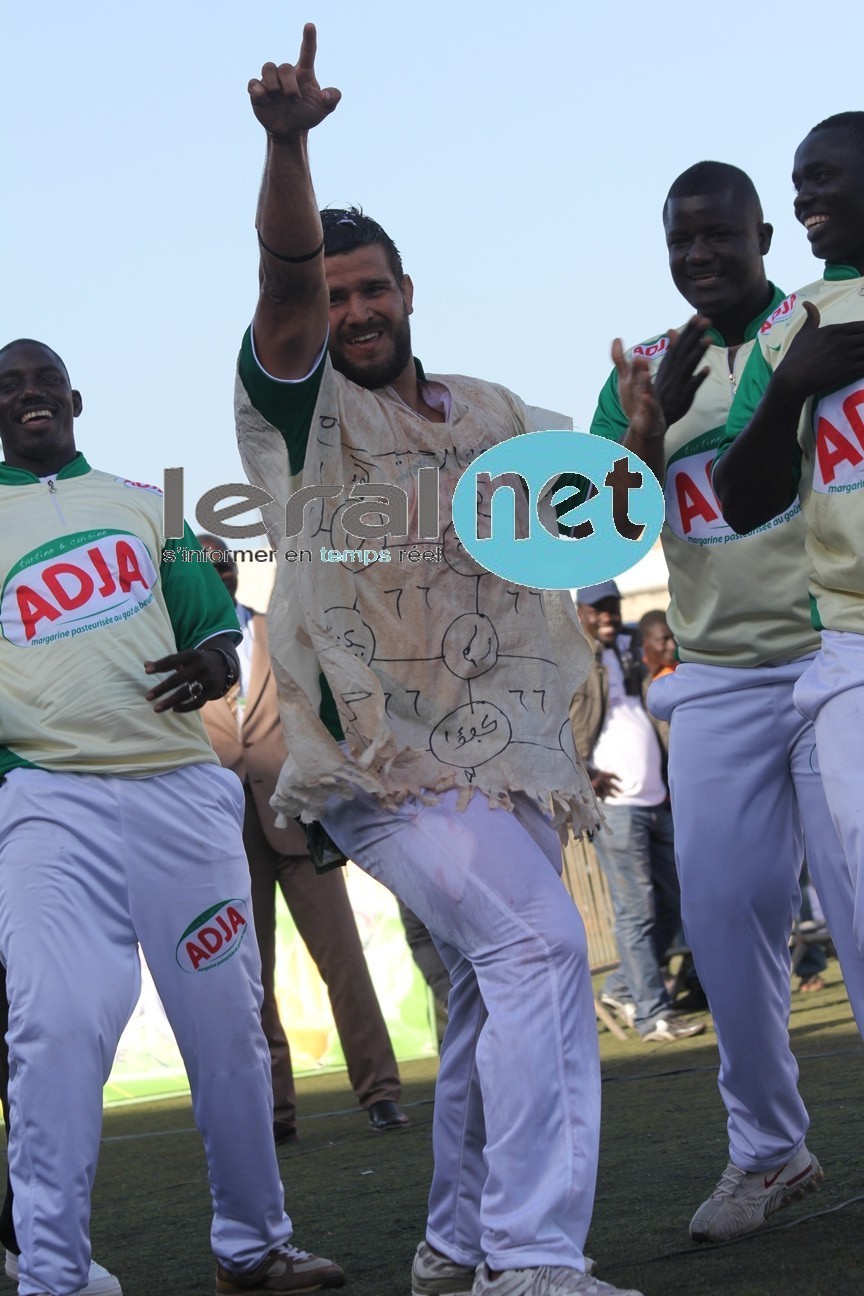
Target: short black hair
x=851, y=122
x=347, y=228
x=714, y=178
x=212, y=544
x=17, y=342
x=653, y=618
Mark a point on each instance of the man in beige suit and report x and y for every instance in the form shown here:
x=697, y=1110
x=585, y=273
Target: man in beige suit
x=246, y=732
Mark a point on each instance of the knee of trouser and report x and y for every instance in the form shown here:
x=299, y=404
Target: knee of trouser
x=55, y=1038
x=712, y=915
x=760, y=899
x=215, y=1039
x=563, y=932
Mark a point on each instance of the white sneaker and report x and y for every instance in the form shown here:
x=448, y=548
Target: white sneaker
x=742, y=1202
x=433, y=1274
x=666, y=1029
x=102, y=1283
x=624, y=1009
x=547, y=1280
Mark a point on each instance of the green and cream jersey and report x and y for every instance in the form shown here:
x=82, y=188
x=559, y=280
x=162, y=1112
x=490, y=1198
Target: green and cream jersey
x=734, y=600
x=90, y=591
x=830, y=459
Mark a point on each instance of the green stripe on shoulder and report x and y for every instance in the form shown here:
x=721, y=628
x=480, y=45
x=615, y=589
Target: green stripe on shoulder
x=287, y=406
x=609, y=419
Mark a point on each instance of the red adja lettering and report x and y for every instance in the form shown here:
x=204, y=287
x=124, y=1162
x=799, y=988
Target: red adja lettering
x=208, y=941
x=103, y=571
x=784, y=309
x=691, y=502
x=236, y=919
x=127, y=567
x=65, y=586
x=197, y=955
x=655, y=348
x=832, y=447
x=852, y=409
x=68, y=598
x=33, y=608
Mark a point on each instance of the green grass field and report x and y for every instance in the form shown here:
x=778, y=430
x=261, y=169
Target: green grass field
x=359, y=1197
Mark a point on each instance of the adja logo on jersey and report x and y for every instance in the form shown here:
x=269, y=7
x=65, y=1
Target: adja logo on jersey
x=782, y=312
x=213, y=937
x=127, y=481
x=74, y=584
x=838, y=420
x=650, y=350
x=692, y=509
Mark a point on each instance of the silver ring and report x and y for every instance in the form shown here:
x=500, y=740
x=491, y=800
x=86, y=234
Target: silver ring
x=196, y=688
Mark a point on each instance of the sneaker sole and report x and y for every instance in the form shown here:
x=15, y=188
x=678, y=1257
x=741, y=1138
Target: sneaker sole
x=590, y=1270
x=441, y=1291
x=813, y=1184
x=224, y=1289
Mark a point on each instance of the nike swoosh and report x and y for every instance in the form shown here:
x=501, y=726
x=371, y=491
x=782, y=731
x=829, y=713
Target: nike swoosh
x=769, y=1183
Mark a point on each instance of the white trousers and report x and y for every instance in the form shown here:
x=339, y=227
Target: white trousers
x=89, y=867
x=747, y=802
x=831, y=695
x=517, y=1104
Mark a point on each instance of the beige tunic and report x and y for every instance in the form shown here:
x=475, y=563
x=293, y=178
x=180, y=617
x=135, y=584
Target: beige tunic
x=445, y=676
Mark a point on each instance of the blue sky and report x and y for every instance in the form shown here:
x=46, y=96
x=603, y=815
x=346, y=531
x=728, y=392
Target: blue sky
x=518, y=153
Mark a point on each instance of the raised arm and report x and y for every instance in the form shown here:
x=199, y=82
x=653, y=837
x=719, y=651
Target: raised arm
x=754, y=477
x=646, y=428
x=291, y=317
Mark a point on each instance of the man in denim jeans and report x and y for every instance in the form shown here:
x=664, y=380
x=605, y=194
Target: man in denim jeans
x=626, y=763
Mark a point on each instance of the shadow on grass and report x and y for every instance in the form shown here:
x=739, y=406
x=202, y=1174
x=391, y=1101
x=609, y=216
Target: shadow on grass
x=360, y=1197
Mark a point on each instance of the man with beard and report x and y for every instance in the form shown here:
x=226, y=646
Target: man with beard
x=742, y=776
x=425, y=707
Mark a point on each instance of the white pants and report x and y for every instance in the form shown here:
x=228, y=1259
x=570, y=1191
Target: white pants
x=91, y=865
x=831, y=695
x=517, y=1104
x=747, y=801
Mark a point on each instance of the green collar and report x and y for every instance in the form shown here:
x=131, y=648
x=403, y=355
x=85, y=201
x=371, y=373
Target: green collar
x=833, y=270
x=76, y=467
x=754, y=326
x=421, y=376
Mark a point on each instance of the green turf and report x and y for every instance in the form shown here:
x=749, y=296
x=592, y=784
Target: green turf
x=360, y=1197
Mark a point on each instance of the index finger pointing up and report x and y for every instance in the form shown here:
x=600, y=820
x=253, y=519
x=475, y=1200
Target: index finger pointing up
x=308, y=48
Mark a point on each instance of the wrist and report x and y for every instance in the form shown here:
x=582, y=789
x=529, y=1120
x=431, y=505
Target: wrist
x=230, y=666
x=784, y=389
x=293, y=141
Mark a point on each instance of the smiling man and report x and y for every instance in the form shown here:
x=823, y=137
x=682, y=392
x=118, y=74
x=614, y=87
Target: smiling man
x=797, y=424
x=442, y=770
x=741, y=771
x=119, y=828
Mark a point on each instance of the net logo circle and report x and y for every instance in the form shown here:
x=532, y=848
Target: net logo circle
x=609, y=509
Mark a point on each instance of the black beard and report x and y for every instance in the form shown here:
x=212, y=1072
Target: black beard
x=384, y=373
